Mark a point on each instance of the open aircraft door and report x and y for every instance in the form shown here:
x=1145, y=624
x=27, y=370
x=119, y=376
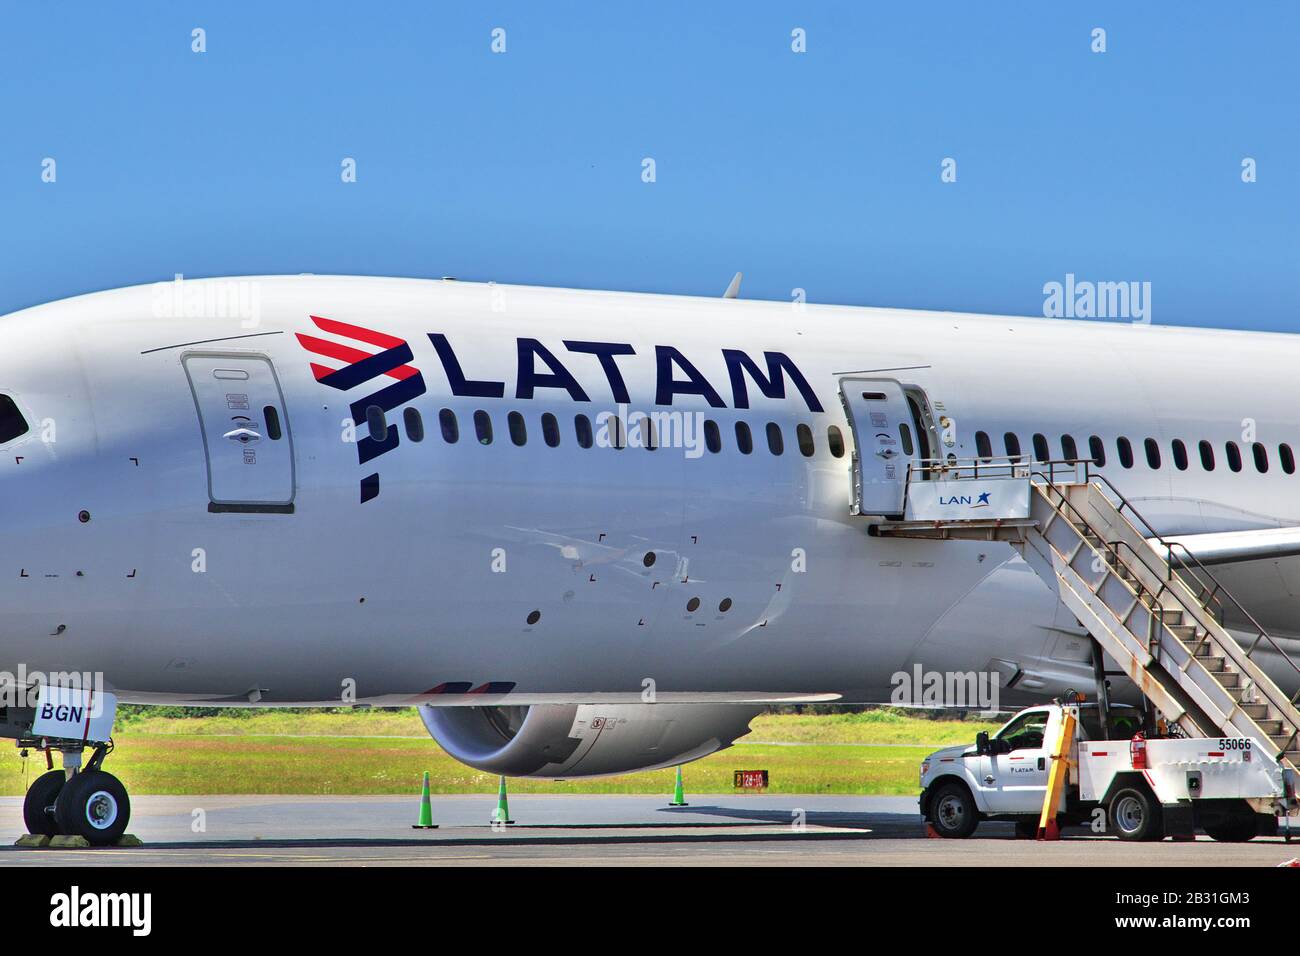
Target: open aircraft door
x=890, y=429
x=245, y=433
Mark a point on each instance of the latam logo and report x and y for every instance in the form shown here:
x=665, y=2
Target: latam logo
x=674, y=376
x=363, y=366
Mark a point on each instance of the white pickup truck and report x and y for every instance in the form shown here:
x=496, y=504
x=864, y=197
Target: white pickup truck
x=1145, y=787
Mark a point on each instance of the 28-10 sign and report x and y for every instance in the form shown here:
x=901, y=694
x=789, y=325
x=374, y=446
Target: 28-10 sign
x=751, y=779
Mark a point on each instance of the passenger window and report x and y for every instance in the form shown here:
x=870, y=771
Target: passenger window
x=1041, y=451
x=1288, y=459
x=518, y=433
x=12, y=423
x=414, y=424
x=905, y=434
x=775, y=442
x=1234, y=455
x=582, y=427
x=649, y=439
x=835, y=439
x=712, y=437
x=272, y=418
x=1153, y=452
x=1069, y=449
x=376, y=423
x=804, y=434
x=550, y=430
x=483, y=427
x=1097, y=449
x=617, y=432
x=450, y=429
x=1207, y=455
x=1261, y=457
x=983, y=447
x=1180, y=454
x=744, y=440
x=1012, y=444
x=1125, y=452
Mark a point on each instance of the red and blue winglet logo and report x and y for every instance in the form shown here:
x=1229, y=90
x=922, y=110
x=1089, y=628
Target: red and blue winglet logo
x=361, y=366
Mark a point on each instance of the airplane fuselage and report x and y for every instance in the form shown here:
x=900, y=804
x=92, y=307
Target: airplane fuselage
x=346, y=554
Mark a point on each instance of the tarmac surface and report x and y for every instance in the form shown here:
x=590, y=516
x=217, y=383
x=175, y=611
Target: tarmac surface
x=714, y=830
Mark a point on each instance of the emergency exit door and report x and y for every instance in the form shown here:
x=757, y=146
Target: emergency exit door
x=245, y=432
x=884, y=442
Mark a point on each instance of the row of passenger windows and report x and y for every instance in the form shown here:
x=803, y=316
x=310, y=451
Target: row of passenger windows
x=1150, y=447
x=585, y=433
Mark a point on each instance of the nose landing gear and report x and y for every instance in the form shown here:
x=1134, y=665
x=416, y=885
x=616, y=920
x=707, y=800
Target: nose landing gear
x=90, y=803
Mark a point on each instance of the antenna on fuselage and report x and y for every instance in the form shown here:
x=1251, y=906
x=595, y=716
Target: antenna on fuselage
x=733, y=290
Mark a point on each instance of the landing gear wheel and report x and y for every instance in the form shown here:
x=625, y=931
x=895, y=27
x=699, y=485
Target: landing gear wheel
x=93, y=805
x=38, y=805
x=1135, y=816
x=1237, y=828
x=953, y=812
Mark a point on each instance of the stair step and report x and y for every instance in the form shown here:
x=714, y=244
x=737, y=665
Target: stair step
x=1230, y=680
x=1280, y=740
x=1255, y=711
x=1272, y=728
x=1215, y=665
x=1171, y=615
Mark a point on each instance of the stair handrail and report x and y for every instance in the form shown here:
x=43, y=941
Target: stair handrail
x=1218, y=592
x=1219, y=588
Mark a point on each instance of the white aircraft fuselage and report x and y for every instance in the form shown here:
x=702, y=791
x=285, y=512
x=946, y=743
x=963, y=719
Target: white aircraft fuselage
x=162, y=527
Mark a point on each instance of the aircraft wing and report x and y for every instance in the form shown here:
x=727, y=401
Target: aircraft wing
x=1260, y=568
x=1228, y=547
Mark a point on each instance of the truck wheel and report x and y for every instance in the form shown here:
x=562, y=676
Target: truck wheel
x=1237, y=828
x=1134, y=815
x=952, y=811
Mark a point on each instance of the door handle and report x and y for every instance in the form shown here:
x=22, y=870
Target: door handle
x=989, y=779
x=242, y=435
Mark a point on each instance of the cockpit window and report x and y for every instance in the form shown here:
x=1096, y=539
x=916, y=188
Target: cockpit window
x=12, y=423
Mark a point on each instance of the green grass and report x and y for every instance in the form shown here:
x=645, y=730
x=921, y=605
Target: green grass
x=364, y=752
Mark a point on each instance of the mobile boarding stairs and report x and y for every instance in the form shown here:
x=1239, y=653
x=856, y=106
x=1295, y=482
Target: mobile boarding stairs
x=1148, y=604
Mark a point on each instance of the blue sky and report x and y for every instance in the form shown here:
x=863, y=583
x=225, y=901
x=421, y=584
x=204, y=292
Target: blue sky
x=818, y=170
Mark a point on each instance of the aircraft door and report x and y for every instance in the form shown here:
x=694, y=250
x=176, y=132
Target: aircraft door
x=245, y=432
x=884, y=441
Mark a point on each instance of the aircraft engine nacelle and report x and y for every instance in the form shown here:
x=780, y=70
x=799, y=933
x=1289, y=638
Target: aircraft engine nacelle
x=584, y=740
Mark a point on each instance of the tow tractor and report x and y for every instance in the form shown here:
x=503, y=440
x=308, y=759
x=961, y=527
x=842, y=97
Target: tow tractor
x=1061, y=764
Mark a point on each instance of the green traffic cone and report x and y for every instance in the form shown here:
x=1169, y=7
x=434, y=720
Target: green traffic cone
x=426, y=808
x=679, y=798
x=502, y=813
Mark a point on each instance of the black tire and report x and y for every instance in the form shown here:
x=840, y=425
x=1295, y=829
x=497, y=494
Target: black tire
x=952, y=811
x=1236, y=828
x=38, y=805
x=1135, y=815
x=93, y=805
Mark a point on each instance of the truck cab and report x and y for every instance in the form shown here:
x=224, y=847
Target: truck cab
x=1007, y=774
